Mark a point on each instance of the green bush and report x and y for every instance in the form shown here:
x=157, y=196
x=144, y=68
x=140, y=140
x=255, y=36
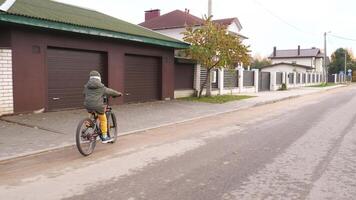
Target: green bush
x=283, y=87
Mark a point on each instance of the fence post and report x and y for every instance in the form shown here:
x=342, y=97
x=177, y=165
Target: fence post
x=273, y=81
x=318, y=78
x=221, y=81
x=241, y=79
x=197, y=70
x=255, y=80
x=301, y=79
x=284, y=79
x=335, y=78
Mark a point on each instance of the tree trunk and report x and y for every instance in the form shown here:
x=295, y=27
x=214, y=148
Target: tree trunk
x=208, y=85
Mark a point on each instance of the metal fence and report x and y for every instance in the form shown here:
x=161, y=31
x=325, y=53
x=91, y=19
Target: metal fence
x=203, y=74
x=298, y=78
x=291, y=78
x=279, y=78
x=230, y=78
x=249, y=79
x=331, y=78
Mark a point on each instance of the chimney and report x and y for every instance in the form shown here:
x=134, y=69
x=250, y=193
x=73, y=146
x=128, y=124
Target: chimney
x=150, y=14
x=274, y=51
x=298, y=50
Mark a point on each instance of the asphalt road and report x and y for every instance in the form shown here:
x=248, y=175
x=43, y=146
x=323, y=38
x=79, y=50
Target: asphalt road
x=302, y=148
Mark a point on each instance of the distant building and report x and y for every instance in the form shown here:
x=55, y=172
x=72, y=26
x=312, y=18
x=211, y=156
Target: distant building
x=173, y=24
x=308, y=59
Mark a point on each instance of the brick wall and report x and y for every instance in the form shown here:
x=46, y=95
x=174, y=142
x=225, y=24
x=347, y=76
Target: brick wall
x=6, y=84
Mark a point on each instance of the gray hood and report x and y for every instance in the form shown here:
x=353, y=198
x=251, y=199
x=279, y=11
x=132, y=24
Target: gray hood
x=94, y=84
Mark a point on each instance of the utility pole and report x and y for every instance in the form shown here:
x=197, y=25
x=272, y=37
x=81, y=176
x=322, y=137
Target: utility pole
x=325, y=67
x=345, y=63
x=210, y=8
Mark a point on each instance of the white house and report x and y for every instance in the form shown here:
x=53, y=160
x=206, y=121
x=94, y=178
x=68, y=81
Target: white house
x=312, y=58
x=173, y=24
x=286, y=67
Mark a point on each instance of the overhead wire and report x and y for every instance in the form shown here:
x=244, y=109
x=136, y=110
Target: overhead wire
x=282, y=20
x=342, y=37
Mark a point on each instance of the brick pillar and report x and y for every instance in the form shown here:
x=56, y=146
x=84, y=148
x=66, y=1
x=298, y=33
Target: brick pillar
x=6, y=84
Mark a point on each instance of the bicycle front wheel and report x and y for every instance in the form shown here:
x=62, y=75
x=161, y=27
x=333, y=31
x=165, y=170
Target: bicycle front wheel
x=112, y=127
x=85, y=138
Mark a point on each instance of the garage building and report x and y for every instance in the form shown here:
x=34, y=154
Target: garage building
x=47, y=50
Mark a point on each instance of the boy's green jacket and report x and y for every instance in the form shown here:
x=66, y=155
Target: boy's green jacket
x=94, y=92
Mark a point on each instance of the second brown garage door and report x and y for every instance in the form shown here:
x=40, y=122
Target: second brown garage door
x=142, y=79
x=68, y=71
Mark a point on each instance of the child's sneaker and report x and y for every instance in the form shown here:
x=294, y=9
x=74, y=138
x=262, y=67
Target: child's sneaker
x=106, y=139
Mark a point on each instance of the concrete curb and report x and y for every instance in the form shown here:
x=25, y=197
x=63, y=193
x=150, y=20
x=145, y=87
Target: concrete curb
x=71, y=145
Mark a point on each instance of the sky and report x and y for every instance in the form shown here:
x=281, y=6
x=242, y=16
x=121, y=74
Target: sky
x=268, y=23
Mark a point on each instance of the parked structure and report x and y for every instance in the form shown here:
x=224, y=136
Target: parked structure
x=173, y=24
x=47, y=49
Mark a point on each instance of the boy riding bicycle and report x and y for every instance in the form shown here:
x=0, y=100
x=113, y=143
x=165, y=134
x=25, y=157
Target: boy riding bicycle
x=94, y=92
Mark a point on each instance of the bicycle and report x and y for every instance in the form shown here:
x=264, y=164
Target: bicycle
x=88, y=130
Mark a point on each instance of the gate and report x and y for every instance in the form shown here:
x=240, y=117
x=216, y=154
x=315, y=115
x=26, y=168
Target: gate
x=264, y=81
x=291, y=78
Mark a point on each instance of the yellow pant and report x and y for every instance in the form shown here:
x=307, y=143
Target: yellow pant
x=103, y=124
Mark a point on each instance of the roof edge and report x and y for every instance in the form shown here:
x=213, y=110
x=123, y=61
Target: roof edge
x=282, y=57
x=29, y=21
x=291, y=64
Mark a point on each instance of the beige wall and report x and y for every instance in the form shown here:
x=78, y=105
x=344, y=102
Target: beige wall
x=316, y=63
x=284, y=68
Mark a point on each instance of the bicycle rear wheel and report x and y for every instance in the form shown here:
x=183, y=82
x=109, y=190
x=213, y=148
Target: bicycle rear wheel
x=85, y=138
x=112, y=127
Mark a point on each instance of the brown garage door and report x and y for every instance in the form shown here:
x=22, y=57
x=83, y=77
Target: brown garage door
x=68, y=71
x=142, y=79
x=184, y=76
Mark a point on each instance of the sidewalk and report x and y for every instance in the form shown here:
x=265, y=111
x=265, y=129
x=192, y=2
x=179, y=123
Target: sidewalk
x=33, y=133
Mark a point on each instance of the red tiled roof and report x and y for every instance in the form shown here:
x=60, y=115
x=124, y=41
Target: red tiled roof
x=174, y=19
x=225, y=22
x=178, y=19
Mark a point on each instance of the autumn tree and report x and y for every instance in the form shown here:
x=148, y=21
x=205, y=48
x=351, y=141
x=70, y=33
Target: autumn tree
x=338, y=61
x=258, y=62
x=214, y=48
